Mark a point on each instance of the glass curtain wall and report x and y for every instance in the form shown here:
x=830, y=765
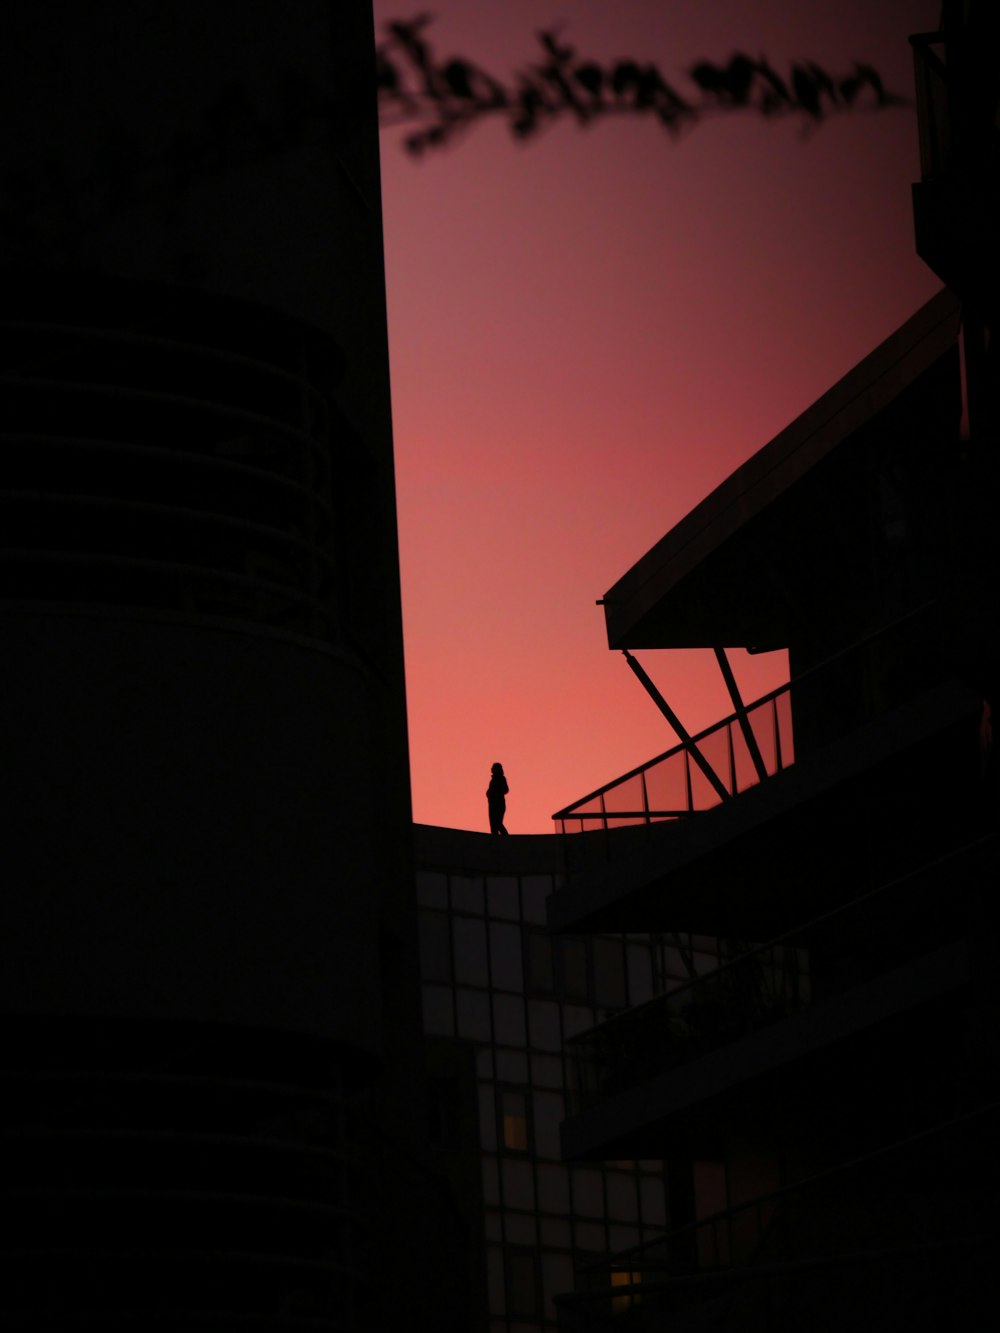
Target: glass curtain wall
x=493, y=977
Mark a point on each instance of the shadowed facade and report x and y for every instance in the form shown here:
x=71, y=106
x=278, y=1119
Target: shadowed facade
x=208, y=982
x=826, y=1098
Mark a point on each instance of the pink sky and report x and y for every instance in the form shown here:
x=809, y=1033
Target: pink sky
x=588, y=332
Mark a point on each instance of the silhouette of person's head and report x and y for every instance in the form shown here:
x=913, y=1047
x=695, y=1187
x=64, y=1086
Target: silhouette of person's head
x=497, y=768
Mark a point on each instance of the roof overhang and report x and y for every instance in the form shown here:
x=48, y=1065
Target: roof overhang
x=660, y=601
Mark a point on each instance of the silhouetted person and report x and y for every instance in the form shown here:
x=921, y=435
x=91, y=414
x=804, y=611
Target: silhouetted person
x=496, y=798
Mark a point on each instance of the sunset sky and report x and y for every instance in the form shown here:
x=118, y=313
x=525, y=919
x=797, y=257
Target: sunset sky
x=588, y=332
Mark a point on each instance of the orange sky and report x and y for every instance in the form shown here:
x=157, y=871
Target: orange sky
x=588, y=332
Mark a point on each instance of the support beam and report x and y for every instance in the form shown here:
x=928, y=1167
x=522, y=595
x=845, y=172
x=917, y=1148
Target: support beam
x=741, y=713
x=678, y=726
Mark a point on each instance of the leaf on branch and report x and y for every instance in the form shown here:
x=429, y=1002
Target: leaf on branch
x=451, y=95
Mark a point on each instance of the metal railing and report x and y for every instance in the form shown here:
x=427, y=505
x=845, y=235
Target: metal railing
x=669, y=786
x=759, y=986
x=878, y=671
x=872, y=1209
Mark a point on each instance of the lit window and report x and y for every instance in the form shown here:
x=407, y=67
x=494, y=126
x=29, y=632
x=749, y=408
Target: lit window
x=624, y=1277
x=514, y=1120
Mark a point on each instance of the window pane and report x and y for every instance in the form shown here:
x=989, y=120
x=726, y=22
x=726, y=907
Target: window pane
x=609, y=974
x=470, y=950
x=467, y=893
x=621, y=1196
x=508, y=1020
x=522, y=1228
x=491, y=1181
x=502, y=896
x=573, y=966
x=590, y=1236
x=543, y=1025
x=588, y=1195
x=576, y=1019
x=522, y=1286
x=654, y=1205
x=474, y=1015
x=432, y=889
x=512, y=1067
x=518, y=1191
x=541, y=976
x=514, y=1120
x=505, y=957
x=640, y=974
x=556, y=1235
x=553, y=1189
x=484, y=1062
x=534, y=891
x=487, y=1118
x=494, y=1270
x=622, y=1238
x=548, y=1114
x=547, y=1071
x=557, y=1270
x=435, y=947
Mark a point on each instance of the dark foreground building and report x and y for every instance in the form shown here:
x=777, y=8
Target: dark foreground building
x=826, y=1099
x=208, y=983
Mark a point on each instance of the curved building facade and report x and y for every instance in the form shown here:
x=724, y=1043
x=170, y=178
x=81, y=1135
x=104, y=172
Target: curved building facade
x=206, y=808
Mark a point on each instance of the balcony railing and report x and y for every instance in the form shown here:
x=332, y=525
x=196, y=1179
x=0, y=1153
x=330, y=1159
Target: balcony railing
x=671, y=786
x=878, y=672
x=868, y=937
x=872, y=1210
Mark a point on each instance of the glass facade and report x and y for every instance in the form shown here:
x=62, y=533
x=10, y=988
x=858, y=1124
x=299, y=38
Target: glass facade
x=492, y=976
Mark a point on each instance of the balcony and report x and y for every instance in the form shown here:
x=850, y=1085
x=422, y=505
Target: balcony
x=836, y=979
x=900, y=1225
x=870, y=755
x=672, y=785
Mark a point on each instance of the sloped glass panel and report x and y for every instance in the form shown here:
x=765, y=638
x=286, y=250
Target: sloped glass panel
x=784, y=709
x=743, y=764
x=715, y=749
x=625, y=796
x=762, y=722
x=666, y=784
x=591, y=807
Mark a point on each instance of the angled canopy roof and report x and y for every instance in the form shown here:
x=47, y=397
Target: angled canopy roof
x=700, y=585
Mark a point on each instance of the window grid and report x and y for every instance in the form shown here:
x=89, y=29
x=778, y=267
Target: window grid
x=518, y=1209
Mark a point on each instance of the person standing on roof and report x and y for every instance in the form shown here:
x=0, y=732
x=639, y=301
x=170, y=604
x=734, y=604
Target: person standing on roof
x=496, y=799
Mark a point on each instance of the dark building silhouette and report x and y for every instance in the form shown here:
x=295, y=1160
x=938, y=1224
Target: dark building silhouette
x=826, y=1098
x=208, y=980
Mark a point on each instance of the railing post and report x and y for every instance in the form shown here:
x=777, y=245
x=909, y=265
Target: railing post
x=741, y=713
